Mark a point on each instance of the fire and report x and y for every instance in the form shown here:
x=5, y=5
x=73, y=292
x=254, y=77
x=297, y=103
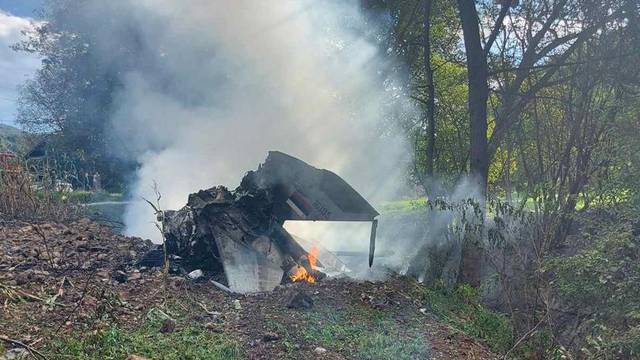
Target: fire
x=301, y=274
x=312, y=257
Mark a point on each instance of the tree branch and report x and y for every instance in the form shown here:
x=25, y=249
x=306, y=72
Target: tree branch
x=496, y=27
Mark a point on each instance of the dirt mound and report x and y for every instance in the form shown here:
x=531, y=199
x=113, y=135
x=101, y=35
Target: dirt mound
x=62, y=275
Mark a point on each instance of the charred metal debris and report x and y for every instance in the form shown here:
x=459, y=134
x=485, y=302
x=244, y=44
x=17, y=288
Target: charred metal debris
x=240, y=233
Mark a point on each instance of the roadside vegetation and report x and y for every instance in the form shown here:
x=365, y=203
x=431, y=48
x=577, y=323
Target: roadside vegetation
x=462, y=309
x=194, y=342
x=354, y=331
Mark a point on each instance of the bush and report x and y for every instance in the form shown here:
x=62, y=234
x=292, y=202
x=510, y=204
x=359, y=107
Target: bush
x=601, y=285
x=21, y=199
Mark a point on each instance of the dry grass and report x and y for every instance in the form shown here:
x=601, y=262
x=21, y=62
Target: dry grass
x=21, y=199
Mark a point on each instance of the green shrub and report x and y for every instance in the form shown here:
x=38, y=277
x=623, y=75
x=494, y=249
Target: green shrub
x=601, y=284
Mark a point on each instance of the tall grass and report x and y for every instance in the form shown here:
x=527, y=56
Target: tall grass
x=22, y=199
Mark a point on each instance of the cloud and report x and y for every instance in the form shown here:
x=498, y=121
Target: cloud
x=15, y=67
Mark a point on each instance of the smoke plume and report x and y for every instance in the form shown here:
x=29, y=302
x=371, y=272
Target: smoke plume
x=205, y=88
x=216, y=84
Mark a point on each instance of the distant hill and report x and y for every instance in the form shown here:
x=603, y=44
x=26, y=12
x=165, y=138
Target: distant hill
x=12, y=139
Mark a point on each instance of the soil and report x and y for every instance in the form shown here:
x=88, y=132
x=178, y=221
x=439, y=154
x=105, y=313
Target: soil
x=60, y=280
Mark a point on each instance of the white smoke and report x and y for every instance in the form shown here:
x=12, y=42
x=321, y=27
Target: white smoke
x=219, y=83
x=408, y=240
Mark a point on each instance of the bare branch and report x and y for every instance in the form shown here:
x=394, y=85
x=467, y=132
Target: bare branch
x=497, y=26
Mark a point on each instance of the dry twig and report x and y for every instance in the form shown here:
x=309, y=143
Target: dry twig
x=79, y=302
x=13, y=293
x=525, y=336
x=40, y=233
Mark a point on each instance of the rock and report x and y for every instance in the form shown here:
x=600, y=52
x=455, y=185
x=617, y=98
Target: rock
x=195, y=274
x=270, y=336
x=168, y=326
x=319, y=350
x=236, y=304
x=299, y=300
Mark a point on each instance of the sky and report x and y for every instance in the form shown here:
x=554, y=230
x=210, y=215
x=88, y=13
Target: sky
x=22, y=8
x=15, y=68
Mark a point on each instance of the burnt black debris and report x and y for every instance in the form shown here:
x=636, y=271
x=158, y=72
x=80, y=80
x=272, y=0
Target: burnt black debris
x=241, y=232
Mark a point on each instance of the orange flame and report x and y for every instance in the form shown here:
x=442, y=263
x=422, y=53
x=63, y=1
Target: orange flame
x=312, y=256
x=301, y=274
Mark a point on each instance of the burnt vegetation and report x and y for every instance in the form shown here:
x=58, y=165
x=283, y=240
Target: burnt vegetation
x=519, y=237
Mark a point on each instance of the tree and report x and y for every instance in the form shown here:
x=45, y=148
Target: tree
x=423, y=35
x=69, y=100
x=477, y=74
x=530, y=48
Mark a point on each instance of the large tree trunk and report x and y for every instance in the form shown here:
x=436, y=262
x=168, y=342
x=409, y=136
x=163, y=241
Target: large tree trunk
x=431, y=96
x=478, y=92
x=477, y=74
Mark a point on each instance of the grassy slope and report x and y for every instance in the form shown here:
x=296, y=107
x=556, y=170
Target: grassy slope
x=353, y=330
x=115, y=343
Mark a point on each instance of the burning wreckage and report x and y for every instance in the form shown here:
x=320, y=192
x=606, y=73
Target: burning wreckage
x=241, y=232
